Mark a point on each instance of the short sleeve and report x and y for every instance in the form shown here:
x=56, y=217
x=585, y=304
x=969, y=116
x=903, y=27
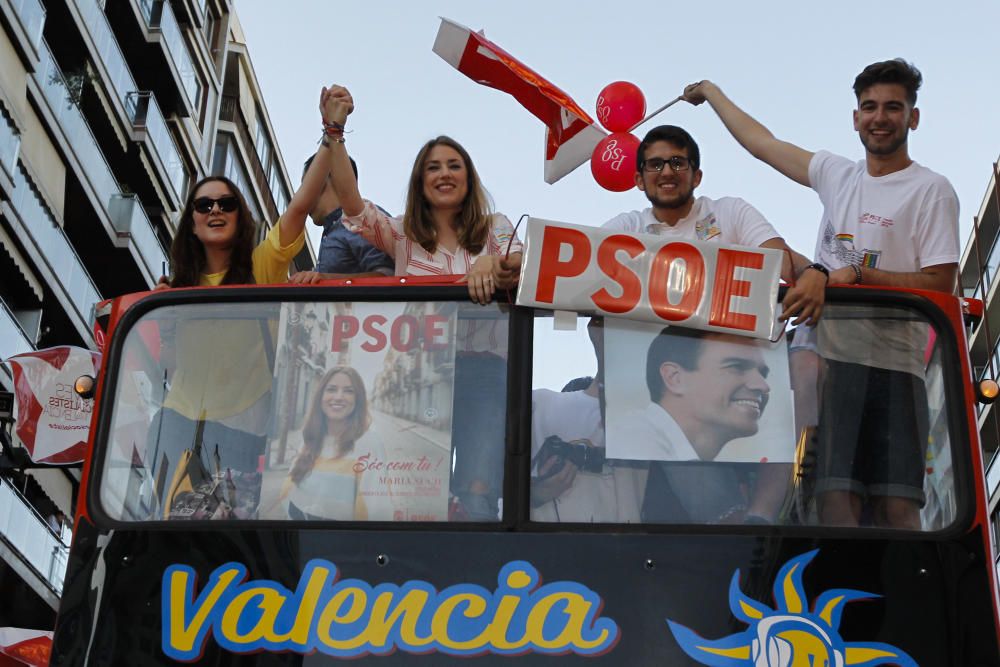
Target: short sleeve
x=750, y=226
x=937, y=227
x=826, y=171
x=271, y=259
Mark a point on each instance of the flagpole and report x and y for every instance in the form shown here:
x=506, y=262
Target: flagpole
x=663, y=108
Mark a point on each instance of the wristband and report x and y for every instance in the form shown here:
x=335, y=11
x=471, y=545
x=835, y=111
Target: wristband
x=857, y=274
x=335, y=125
x=816, y=266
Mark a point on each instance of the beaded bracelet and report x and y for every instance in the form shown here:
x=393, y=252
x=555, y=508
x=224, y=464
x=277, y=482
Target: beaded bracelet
x=857, y=274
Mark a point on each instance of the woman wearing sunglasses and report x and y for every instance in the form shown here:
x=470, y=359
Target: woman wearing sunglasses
x=448, y=226
x=216, y=244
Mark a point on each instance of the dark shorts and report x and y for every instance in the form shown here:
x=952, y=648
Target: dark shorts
x=873, y=429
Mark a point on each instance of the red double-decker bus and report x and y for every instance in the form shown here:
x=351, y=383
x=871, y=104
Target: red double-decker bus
x=301, y=475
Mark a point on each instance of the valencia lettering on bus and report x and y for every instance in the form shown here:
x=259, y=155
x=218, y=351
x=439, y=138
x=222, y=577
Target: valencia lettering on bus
x=351, y=618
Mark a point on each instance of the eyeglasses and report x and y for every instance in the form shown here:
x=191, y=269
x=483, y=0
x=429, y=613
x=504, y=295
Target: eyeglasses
x=227, y=204
x=656, y=164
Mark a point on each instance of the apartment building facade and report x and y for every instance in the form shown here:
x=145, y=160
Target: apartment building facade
x=109, y=111
x=980, y=278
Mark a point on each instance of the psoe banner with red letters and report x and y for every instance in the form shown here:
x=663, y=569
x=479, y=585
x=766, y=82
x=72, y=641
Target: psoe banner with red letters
x=713, y=286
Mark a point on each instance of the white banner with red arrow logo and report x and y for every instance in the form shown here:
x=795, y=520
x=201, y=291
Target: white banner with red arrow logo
x=570, y=134
x=53, y=422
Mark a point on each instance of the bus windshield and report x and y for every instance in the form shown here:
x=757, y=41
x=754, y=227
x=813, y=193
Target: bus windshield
x=397, y=411
x=309, y=411
x=842, y=425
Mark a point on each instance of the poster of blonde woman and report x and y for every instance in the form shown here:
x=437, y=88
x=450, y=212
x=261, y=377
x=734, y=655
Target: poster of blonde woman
x=363, y=402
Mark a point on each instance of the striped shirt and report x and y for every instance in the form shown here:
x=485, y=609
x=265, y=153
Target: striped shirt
x=386, y=234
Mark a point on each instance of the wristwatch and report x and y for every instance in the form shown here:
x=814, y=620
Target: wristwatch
x=816, y=266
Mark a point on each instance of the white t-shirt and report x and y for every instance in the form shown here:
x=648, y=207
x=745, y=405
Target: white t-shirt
x=726, y=220
x=613, y=495
x=903, y=221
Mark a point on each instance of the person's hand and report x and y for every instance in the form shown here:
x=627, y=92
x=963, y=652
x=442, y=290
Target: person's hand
x=307, y=278
x=545, y=489
x=482, y=279
x=804, y=300
x=336, y=104
x=162, y=284
x=505, y=274
x=694, y=93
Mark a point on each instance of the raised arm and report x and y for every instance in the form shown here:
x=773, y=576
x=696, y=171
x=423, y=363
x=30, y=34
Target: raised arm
x=337, y=106
x=293, y=220
x=787, y=158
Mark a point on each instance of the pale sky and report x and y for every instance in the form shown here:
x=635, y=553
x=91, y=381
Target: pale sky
x=790, y=64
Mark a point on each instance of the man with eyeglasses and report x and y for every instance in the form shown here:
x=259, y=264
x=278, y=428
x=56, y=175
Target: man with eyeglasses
x=668, y=170
x=886, y=221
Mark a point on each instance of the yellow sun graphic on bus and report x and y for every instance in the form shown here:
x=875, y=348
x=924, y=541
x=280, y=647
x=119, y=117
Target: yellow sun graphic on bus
x=791, y=635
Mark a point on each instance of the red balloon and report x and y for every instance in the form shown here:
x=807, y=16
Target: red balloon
x=620, y=106
x=613, y=161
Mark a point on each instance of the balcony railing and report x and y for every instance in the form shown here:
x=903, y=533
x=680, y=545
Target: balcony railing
x=145, y=113
x=55, y=247
x=25, y=530
x=10, y=143
x=128, y=211
x=141, y=107
x=92, y=162
x=31, y=13
x=12, y=338
x=232, y=168
x=159, y=16
x=992, y=474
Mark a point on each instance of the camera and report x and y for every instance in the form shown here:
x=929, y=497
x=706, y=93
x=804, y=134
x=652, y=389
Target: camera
x=583, y=456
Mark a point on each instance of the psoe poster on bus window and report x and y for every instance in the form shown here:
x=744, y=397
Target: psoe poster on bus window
x=680, y=394
x=362, y=412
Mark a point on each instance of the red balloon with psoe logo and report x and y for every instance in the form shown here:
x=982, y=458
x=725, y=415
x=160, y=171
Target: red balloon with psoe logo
x=613, y=161
x=620, y=106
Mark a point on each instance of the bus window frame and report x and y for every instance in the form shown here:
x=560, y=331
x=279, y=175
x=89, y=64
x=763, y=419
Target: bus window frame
x=517, y=464
x=958, y=432
x=277, y=294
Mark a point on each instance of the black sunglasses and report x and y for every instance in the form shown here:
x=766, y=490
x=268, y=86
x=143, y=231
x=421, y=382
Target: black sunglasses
x=227, y=204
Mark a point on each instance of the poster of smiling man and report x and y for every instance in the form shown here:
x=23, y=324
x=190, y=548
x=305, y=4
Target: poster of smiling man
x=363, y=402
x=680, y=394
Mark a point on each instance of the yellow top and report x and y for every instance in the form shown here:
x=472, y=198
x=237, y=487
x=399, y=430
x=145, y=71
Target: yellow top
x=222, y=367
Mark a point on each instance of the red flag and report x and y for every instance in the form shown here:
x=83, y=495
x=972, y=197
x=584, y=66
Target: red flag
x=30, y=647
x=53, y=422
x=570, y=134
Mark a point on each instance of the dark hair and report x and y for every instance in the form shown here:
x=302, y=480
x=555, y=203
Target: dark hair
x=314, y=426
x=187, y=254
x=678, y=345
x=309, y=161
x=473, y=220
x=672, y=135
x=896, y=70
